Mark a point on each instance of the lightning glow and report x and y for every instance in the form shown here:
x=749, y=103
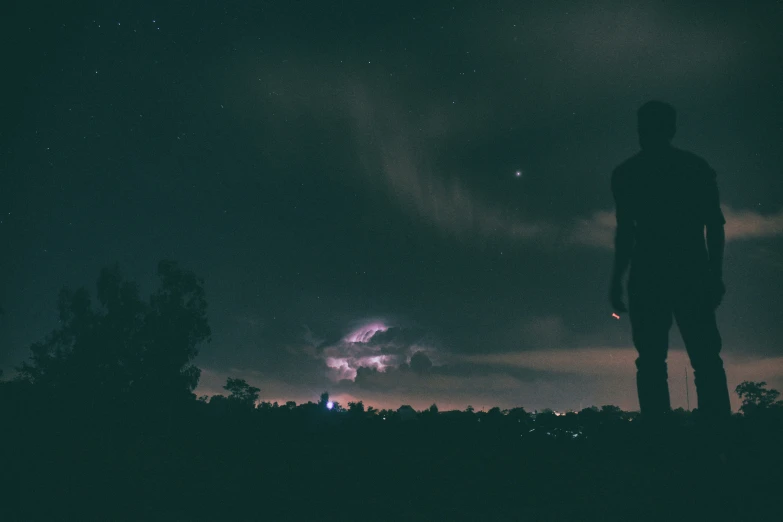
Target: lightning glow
x=365, y=333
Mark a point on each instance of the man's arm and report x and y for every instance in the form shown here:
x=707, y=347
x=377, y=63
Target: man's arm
x=716, y=242
x=623, y=243
x=623, y=246
x=716, y=238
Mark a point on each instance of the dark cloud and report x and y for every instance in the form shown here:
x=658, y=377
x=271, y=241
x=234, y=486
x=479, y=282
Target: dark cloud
x=420, y=363
x=396, y=335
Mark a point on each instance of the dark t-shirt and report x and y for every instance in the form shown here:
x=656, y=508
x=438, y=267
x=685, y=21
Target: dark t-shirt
x=668, y=196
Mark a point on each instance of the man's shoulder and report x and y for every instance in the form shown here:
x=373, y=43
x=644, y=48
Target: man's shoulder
x=628, y=166
x=685, y=161
x=692, y=162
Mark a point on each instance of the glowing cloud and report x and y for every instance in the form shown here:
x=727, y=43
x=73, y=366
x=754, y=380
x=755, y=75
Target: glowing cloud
x=365, y=333
x=372, y=345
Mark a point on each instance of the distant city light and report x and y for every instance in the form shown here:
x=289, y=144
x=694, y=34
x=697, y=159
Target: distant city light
x=329, y=405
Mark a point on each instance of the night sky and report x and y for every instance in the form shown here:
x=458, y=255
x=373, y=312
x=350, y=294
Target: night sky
x=358, y=183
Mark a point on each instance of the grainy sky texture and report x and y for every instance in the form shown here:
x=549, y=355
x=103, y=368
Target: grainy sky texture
x=359, y=182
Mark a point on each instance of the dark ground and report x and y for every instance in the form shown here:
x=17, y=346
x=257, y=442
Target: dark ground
x=198, y=464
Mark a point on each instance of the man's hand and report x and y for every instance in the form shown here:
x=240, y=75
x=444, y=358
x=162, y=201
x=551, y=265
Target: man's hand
x=616, y=296
x=715, y=291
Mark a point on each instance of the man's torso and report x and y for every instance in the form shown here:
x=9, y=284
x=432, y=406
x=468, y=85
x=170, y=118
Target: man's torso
x=667, y=194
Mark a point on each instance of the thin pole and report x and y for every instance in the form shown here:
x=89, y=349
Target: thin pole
x=687, y=390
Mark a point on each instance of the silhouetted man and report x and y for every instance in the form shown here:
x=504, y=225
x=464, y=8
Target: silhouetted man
x=664, y=199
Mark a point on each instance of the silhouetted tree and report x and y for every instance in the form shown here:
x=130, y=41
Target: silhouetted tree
x=406, y=413
x=546, y=418
x=493, y=416
x=590, y=418
x=680, y=415
x=387, y=414
x=356, y=408
x=612, y=413
x=755, y=396
x=123, y=345
x=570, y=420
x=518, y=415
x=431, y=412
x=218, y=404
x=324, y=399
x=242, y=394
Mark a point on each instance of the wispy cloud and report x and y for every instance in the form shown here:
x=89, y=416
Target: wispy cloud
x=749, y=224
x=403, y=151
x=598, y=229
x=595, y=231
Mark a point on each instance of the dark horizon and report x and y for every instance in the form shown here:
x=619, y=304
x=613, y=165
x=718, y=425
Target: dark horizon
x=357, y=185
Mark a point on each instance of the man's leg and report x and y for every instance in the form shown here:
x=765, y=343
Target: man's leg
x=651, y=319
x=699, y=330
x=696, y=321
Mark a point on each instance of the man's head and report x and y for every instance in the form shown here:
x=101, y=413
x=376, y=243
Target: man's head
x=657, y=123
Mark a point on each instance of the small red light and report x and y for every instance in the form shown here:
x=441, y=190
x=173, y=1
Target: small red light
x=615, y=315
